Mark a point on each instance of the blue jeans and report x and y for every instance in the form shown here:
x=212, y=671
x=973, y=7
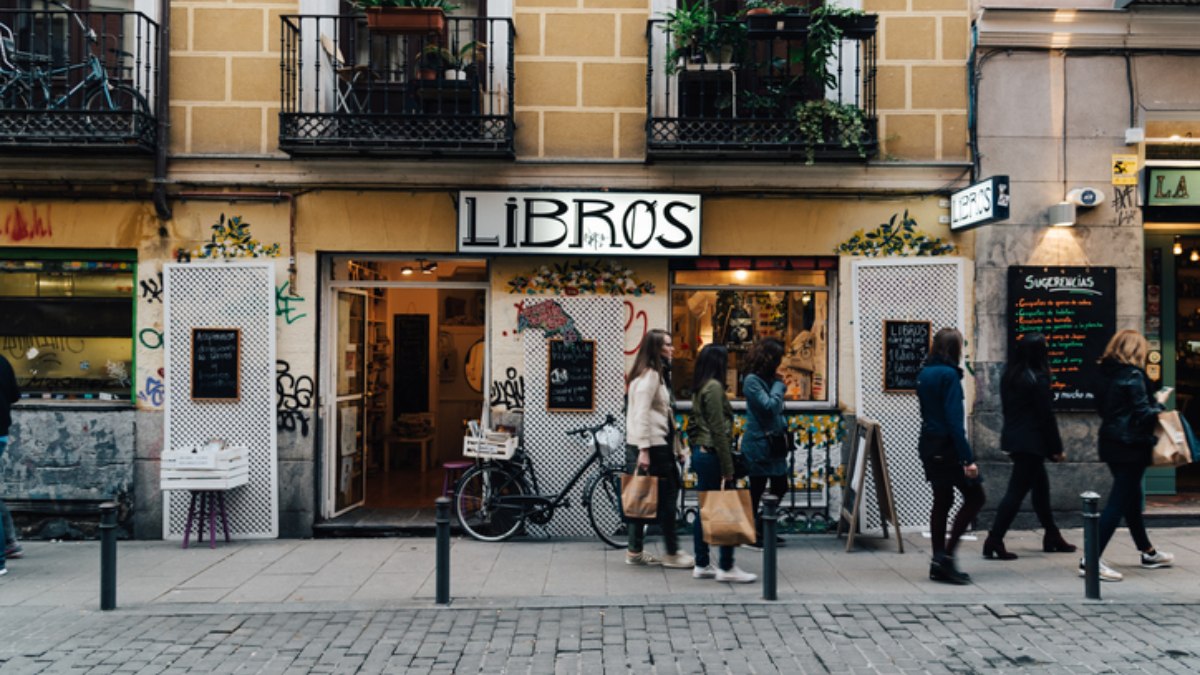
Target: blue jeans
x=1125, y=499
x=708, y=477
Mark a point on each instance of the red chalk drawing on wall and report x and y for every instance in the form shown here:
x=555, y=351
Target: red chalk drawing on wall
x=26, y=223
x=634, y=333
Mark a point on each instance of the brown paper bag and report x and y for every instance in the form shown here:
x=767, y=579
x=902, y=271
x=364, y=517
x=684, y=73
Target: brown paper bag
x=1171, y=448
x=726, y=517
x=639, y=497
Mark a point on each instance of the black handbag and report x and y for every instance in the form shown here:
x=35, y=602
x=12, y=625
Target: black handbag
x=741, y=468
x=779, y=443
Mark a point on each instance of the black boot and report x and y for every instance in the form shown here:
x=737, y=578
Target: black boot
x=947, y=572
x=994, y=548
x=1052, y=542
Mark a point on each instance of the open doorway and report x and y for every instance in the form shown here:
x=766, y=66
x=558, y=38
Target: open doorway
x=405, y=364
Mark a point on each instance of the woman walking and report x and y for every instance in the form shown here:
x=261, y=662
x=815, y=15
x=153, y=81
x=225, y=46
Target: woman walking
x=945, y=453
x=1030, y=437
x=711, y=437
x=764, y=389
x=1127, y=419
x=648, y=438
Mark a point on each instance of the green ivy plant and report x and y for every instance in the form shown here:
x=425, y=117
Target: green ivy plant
x=696, y=29
x=895, y=239
x=846, y=123
x=824, y=33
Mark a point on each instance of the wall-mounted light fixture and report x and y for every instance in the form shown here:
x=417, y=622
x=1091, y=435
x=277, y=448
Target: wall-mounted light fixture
x=427, y=267
x=1062, y=214
x=1177, y=249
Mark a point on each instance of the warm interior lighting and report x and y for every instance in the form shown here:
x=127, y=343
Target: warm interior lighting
x=741, y=275
x=427, y=267
x=406, y=270
x=1177, y=249
x=1194, y=256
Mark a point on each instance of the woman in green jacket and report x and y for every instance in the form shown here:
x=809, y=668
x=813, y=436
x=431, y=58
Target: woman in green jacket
x=711, y=436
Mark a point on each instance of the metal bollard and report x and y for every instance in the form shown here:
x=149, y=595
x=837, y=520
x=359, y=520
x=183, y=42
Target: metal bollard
x=442, y=518
x=1091, y=546
x=108, y=556
x=770, y=517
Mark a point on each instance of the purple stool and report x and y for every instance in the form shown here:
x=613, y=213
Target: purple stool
x=214, y=502
x=453, y=472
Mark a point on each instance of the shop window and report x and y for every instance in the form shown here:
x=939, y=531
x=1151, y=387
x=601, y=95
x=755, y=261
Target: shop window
x=739, y=307
x=68, y=328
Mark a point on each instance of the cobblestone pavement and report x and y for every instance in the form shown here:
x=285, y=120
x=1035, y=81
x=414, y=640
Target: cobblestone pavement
x=679, y=638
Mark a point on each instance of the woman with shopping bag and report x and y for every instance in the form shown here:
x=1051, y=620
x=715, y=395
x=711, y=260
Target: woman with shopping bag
x=1128, y=417
x=710, y=432
x=649, y=447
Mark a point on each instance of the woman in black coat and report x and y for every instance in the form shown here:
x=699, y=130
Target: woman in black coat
x=1030, y=437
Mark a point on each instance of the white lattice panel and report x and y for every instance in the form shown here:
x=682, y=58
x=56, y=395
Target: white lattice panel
x=226, y=295
x=557, y=456
x=929, y=289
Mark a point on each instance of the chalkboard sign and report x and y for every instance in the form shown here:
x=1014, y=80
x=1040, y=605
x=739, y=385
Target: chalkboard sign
x=571, y=376
x=1076, y=309
x=905, y=346
x=868, y=450
x=216, y=364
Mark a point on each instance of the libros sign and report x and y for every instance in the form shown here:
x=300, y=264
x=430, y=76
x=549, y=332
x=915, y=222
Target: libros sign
x=982, y=203
x=583, y=223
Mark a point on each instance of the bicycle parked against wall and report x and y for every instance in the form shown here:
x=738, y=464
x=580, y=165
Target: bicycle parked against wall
x=30, y=80
x=494, y=499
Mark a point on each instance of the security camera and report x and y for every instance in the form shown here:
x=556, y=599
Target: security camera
x=1085, y=196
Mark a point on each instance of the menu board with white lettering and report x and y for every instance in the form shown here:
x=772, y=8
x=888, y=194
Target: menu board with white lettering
x=1076, y=309
x=216, y=364
x=905, y=346
x=571, y=384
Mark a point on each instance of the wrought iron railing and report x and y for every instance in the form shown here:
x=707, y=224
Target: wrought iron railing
x=767, y=93
x=77, y=80
x=347, y=88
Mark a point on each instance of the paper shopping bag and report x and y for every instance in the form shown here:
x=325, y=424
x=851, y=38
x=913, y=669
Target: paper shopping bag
x=1171, y=449
x=639, y=497
x=726, y=517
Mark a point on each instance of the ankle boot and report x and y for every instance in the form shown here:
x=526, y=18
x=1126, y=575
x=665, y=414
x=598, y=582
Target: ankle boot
x=1052, y=542
x=993, y=547
x=947, y=572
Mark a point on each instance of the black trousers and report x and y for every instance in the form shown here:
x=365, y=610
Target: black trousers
x=758, y=485
x=943, y=499
x=1028, y=477
x=1125, y=500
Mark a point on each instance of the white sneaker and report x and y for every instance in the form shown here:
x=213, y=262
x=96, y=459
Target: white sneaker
x=1106, y=573
x=679, y=560
x=707, y=572
x=736, y=576
x=642, y=559
x=1159, y=559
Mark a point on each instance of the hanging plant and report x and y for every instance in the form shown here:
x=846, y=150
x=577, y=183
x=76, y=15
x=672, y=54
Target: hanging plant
x=826, y=121
x=895, y=239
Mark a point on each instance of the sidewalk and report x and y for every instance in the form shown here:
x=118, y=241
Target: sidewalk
x=354, y=574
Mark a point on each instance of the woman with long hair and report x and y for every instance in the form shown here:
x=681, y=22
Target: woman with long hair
x=649, y=427
x=711, y=436
x=1128, y=416
x=764, y=389
x=946, y=454
x=1030, y=437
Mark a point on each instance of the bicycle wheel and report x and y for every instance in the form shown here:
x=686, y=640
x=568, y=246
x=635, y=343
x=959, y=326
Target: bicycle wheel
x=604, y=508
x=116, y=97
x=478, y=507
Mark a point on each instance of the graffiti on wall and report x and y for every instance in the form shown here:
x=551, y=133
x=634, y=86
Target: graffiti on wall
x=509, y=393
x=637, y=324
x=150, y=338
x=152, y=393
x=152, y=289
x=283, y=304
x=895, y=239
x=600, y=277
x=549, y=317
x=232, y=239
x=295, y=396
x=1125, y=204
x=27, y=224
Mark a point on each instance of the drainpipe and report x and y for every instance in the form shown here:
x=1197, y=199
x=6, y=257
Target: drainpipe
x=162, y=108
x=261, y=197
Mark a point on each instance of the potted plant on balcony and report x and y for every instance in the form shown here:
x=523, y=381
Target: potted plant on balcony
x=434, y=62
x=698, y=35
x=830, y=122
x=763, y=7
x=406, y=16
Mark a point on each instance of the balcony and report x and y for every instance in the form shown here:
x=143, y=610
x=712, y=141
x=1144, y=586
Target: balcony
x=348, y=89
x=763, y=88
x=77, y=81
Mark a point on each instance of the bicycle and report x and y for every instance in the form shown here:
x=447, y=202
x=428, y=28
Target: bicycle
x=494, y=499
x=26, y=76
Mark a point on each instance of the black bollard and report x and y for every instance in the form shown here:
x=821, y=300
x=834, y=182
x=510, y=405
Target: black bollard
x=108, y=556
x=442, y=518
x=769, y=517
x=1091, y=546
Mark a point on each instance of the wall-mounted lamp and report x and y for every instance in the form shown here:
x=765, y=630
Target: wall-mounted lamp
x=1062, y=214
x=1177, y=249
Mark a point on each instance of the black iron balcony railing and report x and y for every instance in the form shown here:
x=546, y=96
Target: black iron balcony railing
x=763, y=90
x=77, y=80
x=348, y=89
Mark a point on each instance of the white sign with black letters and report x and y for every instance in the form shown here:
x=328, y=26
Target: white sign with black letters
x=582, y=223
x=982, y=203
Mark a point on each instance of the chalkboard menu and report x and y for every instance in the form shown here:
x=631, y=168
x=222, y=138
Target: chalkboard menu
x=571, y=376
x=905, y=345
x=216, y=364
x=1076, y=309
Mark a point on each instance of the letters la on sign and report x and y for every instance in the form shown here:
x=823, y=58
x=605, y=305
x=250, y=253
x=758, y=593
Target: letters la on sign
x=583, y=223
x=982, y=203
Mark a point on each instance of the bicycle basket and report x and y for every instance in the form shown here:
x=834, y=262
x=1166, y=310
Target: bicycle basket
x=490, y=446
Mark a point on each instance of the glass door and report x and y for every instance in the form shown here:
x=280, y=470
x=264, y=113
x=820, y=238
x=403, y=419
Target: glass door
x=345, y=436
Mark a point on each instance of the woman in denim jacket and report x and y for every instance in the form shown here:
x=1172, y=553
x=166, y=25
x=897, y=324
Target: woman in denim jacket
x=764, y=389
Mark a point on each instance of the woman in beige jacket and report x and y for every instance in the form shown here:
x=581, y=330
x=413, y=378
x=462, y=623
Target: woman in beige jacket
x=649, y=427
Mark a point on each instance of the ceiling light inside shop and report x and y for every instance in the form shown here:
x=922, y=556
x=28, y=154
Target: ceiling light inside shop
x=741, y=275
x=1194, y=256
x=1177, y=249
x=406, y=270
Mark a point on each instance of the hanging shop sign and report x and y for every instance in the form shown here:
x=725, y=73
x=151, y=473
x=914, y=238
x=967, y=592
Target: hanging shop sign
x=1075, y=308
x=982, y=203
x=579, y=223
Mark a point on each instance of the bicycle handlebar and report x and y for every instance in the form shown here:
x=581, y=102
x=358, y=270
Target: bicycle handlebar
x=608, y=421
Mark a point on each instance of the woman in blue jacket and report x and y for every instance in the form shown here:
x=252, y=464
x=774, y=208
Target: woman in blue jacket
x=764, y=389
x=945, y=453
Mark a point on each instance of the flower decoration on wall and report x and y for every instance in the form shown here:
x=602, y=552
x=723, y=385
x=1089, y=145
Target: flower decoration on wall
x=895, y=239
x=231, y=239
x=549, y=317
x=581, y=278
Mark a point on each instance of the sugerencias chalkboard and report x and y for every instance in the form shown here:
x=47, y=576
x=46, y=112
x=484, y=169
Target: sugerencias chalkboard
x=905, y=345
x=1076, y=309
x=216, y=364
x=571, y=376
